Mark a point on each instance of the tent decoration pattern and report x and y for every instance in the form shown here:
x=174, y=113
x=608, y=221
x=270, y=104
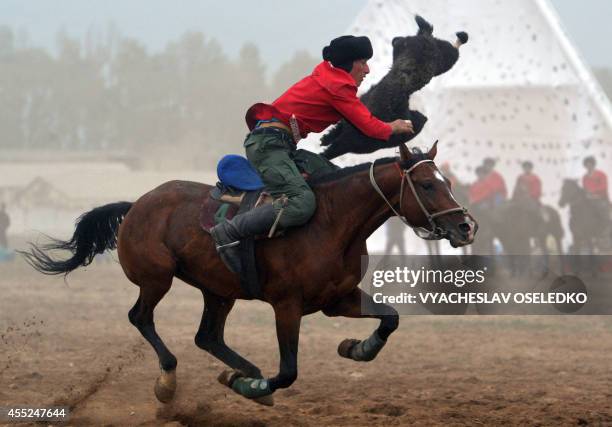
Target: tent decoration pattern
x=519, y=90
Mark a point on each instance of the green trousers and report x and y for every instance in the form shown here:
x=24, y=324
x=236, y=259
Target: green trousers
x=271, y=154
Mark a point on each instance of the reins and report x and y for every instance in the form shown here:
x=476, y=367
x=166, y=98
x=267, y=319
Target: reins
x=436, y=233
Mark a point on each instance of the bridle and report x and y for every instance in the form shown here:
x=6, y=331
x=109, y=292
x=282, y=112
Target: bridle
x=436, y=232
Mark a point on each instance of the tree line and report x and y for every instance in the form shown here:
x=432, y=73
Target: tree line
x=187, y=101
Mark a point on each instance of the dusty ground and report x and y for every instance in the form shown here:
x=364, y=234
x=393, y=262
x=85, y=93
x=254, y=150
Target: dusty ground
x=71, y=343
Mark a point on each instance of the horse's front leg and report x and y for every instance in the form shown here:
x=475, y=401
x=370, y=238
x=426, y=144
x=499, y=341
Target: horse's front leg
x=288, y=317
x=350, y=306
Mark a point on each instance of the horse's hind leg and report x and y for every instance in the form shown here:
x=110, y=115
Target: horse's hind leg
x=210, y=335
x=141, y=316
x=351, y=306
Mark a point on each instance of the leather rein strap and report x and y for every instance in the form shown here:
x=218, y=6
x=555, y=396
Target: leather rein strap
x=436, y=232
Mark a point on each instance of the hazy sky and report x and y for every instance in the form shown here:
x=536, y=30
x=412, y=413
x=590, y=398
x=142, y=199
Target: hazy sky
x=278, y=27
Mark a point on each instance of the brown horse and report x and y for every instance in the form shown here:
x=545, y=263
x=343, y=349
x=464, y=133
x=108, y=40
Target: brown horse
x=316, y=267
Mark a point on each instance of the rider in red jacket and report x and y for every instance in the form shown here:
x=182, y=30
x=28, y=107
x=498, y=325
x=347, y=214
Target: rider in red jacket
x=595, y=181
x=478, y=191
x=489, y=190
x=312, y=104
x=528, y=184
x=494, y=183
x=319, y=100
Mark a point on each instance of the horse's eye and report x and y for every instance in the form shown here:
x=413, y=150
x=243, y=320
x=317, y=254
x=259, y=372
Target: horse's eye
x=427, y=185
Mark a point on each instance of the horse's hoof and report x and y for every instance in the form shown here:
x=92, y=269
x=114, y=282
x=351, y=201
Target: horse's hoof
x=264, y=400
x=165, y=386
x=227, y=378
x=345, y=347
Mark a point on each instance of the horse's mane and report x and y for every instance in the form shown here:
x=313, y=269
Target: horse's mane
x=347, y=171
x=339, y=174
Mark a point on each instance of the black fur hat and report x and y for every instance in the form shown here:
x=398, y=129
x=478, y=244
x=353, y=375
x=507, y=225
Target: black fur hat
x=342, y=51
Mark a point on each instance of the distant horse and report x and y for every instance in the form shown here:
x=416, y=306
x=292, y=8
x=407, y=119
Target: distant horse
x=516, y=223
x=531, y=221
x=589, y=219
x=313, y=268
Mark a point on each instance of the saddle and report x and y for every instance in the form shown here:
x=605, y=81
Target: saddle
x=239, y=190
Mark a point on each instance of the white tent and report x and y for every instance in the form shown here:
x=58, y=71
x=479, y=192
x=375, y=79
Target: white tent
x=519, y=90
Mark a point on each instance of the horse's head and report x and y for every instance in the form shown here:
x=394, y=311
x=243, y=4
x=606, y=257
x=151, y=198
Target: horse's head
x=427, y=203
x=423, y=55
x=569, y=191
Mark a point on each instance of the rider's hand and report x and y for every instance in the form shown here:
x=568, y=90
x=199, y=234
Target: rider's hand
x=401, y=126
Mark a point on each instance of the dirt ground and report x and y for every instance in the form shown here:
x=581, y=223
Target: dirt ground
x=71, y=344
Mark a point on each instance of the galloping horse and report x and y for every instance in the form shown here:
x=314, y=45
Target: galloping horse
x=313, y=268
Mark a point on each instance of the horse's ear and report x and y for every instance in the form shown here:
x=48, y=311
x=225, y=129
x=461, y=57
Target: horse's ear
x=404, y=152
x=431, y=154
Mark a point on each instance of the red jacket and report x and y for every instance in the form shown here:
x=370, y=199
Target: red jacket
x=319, y=100
x=596, y=183
x=532, y=184
x=492, y=187
x=497, y=184
x=478, y=191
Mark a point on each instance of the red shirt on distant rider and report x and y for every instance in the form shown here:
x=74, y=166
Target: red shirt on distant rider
x=478, y=190
x=595, y=181
x=490, y=186
x=528, y=182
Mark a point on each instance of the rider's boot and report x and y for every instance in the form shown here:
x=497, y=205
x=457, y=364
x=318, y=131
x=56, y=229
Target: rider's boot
x=228, y=234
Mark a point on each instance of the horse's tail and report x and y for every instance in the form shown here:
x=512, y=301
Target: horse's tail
x=95, y=232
